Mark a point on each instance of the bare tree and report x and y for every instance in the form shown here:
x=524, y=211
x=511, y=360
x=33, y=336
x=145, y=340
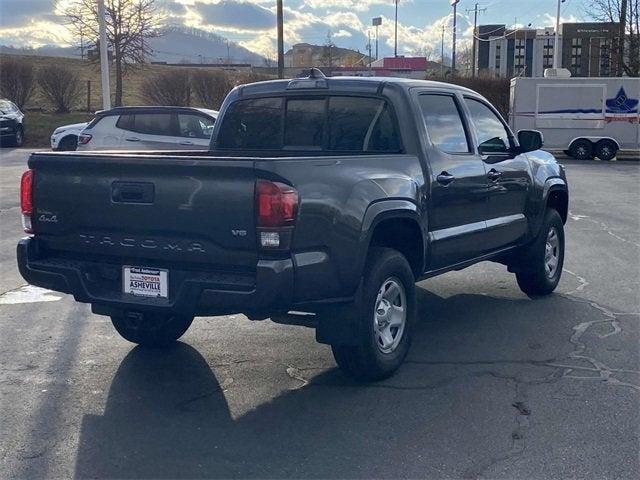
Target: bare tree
x=210, y=87
x=172, y=87
x=130, y=23
x=16, y=79
x=627, y=14
x=328, y=51
x=60, y=86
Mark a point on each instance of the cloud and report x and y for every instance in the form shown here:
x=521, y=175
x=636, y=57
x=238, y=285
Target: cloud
x=236, y=14
x=13, y=13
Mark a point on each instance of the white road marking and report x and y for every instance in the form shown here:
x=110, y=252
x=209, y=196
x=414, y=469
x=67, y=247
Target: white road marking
x=27, y=294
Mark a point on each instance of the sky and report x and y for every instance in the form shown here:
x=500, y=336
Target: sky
x=251, y=23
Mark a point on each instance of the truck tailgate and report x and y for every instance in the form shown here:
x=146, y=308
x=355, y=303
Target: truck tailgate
x=176, y=209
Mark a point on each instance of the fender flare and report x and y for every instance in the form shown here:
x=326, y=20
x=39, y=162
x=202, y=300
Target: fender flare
x=382, y=210
x=550, y=185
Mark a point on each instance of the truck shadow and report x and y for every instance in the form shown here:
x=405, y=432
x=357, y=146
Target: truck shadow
x=166, y=415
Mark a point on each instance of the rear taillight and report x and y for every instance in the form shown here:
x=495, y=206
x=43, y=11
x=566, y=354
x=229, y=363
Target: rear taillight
x=84, y=138
x=276, y=211
x=26, y=200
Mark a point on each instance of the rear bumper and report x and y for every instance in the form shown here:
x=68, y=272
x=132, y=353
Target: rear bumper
x=267, y=289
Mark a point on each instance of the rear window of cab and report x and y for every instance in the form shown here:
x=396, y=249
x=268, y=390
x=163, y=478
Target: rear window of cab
x=318, y=123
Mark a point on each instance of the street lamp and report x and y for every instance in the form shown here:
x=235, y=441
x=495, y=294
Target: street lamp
x=454, y=4
x=556, y=41
x=395, y=44
x=377, y=21
x=104, y=59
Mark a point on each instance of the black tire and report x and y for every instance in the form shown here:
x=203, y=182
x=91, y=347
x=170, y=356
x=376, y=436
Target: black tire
x=606, y=150
x=367, y=361
x=533, y=275
x=581, y=149
x=18, y=138
x=151, y=330
x=68, y=143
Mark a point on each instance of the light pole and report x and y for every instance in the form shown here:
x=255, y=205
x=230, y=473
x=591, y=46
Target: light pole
x=395, y=44
x=454, y=4
x=377, y=21
x=556, y=40
x=104, y=57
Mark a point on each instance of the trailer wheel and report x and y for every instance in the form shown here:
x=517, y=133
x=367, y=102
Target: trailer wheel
x=606, y=150
x=581, y=149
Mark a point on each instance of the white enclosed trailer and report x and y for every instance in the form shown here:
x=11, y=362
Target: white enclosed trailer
x=586, y=117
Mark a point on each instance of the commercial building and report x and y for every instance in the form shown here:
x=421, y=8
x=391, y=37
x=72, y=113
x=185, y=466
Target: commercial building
x=585, y=49
x=401, y=66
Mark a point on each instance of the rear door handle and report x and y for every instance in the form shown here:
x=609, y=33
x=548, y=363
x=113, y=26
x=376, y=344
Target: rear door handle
x=132, y=139
x=493, y=174
x=445, y=178
x=186, y=142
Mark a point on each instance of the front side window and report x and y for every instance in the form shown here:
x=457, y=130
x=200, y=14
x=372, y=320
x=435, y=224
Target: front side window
x=444, y=123
x=492, y=135
x=319, y=123
x=195, y=126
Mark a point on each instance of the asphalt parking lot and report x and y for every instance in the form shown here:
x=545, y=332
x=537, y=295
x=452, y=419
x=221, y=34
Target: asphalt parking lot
x=496, y=385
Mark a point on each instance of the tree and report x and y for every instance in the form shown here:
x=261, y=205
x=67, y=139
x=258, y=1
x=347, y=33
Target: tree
x=60, y=86
x=16, y=79
x=172, y=87
x=130, y=23
x=328, y=51
x=627, y=14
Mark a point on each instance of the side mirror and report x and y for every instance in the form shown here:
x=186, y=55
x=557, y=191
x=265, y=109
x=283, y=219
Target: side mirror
x=530, y=140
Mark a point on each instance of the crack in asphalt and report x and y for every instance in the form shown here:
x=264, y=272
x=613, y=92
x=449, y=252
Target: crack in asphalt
x=603, y=226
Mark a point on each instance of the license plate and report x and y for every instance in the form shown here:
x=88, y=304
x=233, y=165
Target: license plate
x=145, y=282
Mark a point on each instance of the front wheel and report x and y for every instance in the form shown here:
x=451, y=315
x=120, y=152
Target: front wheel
x=151, y=330
x=540, y=263
x=581, y=149
x=386, y=313
x=18, y=137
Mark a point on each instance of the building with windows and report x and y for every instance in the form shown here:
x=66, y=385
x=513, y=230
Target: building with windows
x=585, y=49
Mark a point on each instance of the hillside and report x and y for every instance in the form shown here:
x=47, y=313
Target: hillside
x=176, y=44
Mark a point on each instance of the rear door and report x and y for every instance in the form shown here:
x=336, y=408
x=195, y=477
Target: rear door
x=458, y=182
x=148, y=131
x=508, y=175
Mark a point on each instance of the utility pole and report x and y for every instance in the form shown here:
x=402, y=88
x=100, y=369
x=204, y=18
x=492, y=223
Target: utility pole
x=228, y=53
x=280, y=39
x=621, y=42
x=475, y=11
x=369, y=47
x=442, y=54
x=454, y=4
x=395, y=44
x=104, y=58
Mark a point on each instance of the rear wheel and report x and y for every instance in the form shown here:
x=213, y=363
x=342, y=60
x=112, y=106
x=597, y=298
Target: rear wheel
x=68, y=143
x=581, y=149
x=540, y=263
x=606, y=150
x=151, y=330
x=386, y=313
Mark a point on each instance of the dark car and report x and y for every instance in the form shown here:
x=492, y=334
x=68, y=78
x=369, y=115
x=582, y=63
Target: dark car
x=326, y=196
x=11, y=124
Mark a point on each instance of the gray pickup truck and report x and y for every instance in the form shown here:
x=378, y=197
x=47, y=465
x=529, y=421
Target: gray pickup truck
x=320, y=202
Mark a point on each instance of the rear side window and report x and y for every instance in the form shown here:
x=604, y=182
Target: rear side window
x=148, y=123
x=336, y=123
x=444, y=123
x=252, y=124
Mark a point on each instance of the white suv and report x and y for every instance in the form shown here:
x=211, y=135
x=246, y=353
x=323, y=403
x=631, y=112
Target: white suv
x=149, y=128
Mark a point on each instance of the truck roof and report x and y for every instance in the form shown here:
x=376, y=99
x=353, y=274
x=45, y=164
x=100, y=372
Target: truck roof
x=362, y=84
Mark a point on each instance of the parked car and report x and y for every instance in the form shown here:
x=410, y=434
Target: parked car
x=327, y=196
x=584, y=117
x=11, y=124
x=65, y=138
x=149, y=128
